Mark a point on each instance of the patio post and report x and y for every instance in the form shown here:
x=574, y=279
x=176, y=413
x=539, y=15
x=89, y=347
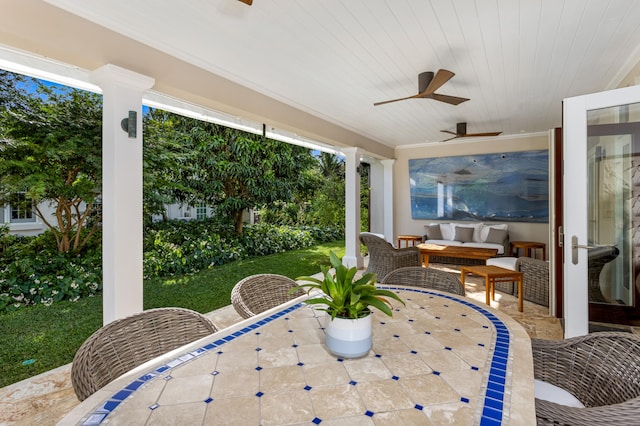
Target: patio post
x=388, y=200
x=121, y=189
x=352, y=213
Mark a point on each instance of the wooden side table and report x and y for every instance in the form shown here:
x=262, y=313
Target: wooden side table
x=493, y=275
x=528, y=247
x=409, y=238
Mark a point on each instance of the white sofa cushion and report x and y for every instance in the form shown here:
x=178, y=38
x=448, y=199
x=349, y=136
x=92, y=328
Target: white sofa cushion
x=552, y=393
x=477, y=231
x=504, y=262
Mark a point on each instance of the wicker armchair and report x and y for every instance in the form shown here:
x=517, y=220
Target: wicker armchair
x=602, y=370
x=128, y=342
x=384, y=258
x=535, y=280
x=260, y=292
x=418, y=276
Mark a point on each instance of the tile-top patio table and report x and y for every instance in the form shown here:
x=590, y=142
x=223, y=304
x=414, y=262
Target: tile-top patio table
x=441, y=359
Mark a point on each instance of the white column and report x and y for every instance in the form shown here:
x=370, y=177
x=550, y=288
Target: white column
x=121, y=191
x=388, y=200
x=352, y=201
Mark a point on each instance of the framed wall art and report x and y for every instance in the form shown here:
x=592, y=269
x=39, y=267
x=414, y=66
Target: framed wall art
x=505, y=187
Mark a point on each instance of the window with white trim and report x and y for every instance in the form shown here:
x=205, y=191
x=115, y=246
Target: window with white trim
x=21, y=210
x=201, y=211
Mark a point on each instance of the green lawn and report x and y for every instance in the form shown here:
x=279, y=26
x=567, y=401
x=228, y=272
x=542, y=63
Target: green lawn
x=39, y=338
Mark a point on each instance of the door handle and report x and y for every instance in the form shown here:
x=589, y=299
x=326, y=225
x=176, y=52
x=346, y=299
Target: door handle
x=574, y=249
x=575, y=246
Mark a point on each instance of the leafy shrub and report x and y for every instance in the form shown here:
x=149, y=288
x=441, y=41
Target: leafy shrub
x=32, y=271
x=43, y=278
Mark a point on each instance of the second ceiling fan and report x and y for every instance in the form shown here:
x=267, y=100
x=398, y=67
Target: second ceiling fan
x=461, y=132
x=428, y=83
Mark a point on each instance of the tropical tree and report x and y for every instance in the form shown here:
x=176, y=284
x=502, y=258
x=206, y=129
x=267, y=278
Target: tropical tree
x=164, y=156
x=50, y=154
x=230, y=169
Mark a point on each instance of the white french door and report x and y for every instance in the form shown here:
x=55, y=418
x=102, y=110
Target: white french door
x=601, y=134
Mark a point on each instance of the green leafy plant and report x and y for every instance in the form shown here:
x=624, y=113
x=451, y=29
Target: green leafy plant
x=344, y=297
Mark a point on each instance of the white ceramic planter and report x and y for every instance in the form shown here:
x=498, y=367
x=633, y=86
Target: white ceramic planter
x=348, y=338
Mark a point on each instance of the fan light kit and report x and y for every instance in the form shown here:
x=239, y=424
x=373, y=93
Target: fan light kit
x=428, y=84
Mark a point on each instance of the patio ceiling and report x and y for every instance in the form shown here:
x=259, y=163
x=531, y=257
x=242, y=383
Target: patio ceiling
x=328, y=61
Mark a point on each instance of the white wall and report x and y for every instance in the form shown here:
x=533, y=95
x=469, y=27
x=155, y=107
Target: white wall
x=404, y=224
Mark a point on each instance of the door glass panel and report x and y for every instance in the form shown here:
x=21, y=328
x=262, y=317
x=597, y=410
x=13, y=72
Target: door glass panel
x=614, y=203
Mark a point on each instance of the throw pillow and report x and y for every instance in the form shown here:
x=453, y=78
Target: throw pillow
x=464, y=234
x=496, y=236
x=433, y=232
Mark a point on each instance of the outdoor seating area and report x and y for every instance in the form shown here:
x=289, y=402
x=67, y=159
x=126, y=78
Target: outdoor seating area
x=54, y=396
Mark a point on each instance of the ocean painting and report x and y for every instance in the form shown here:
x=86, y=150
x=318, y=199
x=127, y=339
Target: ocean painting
x=503, y=187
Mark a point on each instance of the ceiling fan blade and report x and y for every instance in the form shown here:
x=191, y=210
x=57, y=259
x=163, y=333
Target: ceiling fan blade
x=455, y=137
x=441, y=77
x=395, y=100
x=249, y=2
x=450, y=132
x=453, y=100
x=471, y=135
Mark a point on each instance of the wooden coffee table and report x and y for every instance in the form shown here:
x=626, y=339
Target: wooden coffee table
x=492, y=275
x=454, y=251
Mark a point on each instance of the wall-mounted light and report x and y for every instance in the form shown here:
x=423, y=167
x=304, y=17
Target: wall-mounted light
x=129, y=124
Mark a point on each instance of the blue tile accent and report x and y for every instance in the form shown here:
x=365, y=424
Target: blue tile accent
x=134, y=385
x=395, y=378
x=307, y=388
x=146, y=377
x=353, y=382
x=316, y=421
x=121, y=395
x=369, y=413
x=418, y=407
x=259, y=394
x=208, y=400
x=465, y=400
x=485, y=421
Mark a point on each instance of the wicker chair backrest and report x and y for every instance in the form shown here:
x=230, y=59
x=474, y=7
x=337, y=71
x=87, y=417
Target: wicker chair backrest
x=126, y=343
x=599, y=369
x=418, y=276
x=258, y=293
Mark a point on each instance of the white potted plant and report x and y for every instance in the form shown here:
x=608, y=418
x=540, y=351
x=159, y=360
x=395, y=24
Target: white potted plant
x=347, y=303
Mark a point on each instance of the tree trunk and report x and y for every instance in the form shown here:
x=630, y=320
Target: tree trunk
x=237, y=221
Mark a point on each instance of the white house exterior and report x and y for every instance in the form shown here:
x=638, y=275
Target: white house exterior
x=27, y=223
